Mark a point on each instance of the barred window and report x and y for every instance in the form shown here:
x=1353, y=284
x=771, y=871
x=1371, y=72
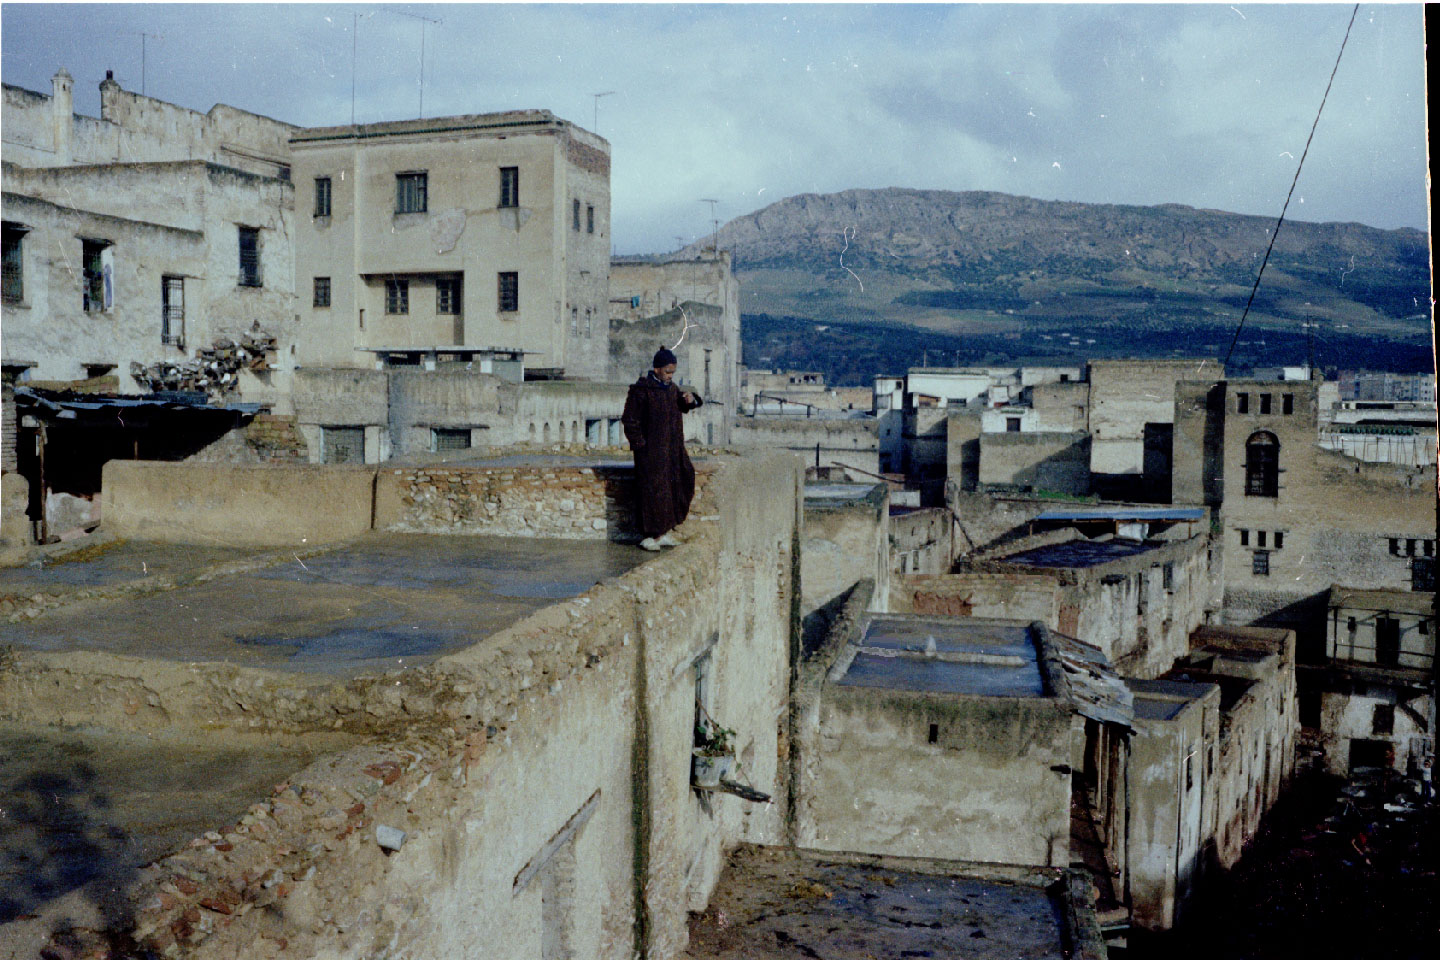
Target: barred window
x=449, y=438
x=1262, y=465
x=92, y=263
x=509, y=292
x=412, y=192
x=589, y=218
x=172, y=310
x=509, y=186
x=14, y=277
x=322, y=292
x=249, y=257
x=1260, y=563
x=397, y=296
x=447, y=296
x=322, y=196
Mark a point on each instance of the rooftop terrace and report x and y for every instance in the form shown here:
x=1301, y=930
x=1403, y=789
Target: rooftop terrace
x=382, y=602
x=991, y=658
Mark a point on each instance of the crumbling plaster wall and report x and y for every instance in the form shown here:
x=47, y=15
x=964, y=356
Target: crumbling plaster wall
x=844, y=543
x=850, y=443
x=921, y=541
x=581, y=714
x=1125, y=395
x=703, y=361
x=995, y=596
x=1052, y=462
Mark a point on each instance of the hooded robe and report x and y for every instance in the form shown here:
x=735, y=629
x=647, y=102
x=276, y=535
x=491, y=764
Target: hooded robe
x=665, y=478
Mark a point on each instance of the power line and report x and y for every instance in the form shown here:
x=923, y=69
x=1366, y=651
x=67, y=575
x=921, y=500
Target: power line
x=1298, y=167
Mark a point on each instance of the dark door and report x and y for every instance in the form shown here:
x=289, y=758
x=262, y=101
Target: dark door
x=1387, y=642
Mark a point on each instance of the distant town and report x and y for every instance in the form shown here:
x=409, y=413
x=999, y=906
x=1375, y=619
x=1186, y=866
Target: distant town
x=323, y=630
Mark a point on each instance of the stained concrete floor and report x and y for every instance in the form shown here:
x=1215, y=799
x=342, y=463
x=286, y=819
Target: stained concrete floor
x=380, y=603
x=105, y=563
x=81, y=810
x=771, y=903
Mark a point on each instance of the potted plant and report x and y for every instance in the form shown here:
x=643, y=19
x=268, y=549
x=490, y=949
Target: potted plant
x=714, y=754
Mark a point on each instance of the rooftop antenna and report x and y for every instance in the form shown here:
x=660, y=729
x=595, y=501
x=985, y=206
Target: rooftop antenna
x=143, y=36
x=679, y=243
x=595, y=123
x=354, y=34
x=715, y=235
x=424, y=22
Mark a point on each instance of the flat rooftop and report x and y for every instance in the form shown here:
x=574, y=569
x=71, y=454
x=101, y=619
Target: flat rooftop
x=1388, y=601
x=975, y=657
x=774, y=903
x=110, y=563
x=81, y=810
x=1081, y=553
x=832, y=495
x=382, y=602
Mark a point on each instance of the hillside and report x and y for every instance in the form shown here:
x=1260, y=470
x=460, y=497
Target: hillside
x=1018, y=277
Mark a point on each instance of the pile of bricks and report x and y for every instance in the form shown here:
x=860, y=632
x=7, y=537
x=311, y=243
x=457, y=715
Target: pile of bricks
x=276, y=440
x=215, y=368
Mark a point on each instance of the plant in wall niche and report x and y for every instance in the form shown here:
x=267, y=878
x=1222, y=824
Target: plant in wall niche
x=714, y=753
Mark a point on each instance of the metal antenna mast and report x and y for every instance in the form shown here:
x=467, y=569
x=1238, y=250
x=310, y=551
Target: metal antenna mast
x=595, y=123
x=715, y=234
x=424, y=22
x=143, y=36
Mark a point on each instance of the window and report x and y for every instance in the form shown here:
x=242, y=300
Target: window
x=322, y=292
x=574, y=321
x=449, y=438
x=575, y=215
x=1409, y=548
x=509, y=292
x=589, y=322
x=412, y=192
x=1264, y=403
x=1260, y=563
x=342, y=444
x=1422, y=627
x=97, y=283
x=322, y=196
x=1422, y=574
x=1394, y=547
x=1387, y=641
x=447, y=296
x=14, y=275
x=1309, y=704
x=509, y=186
x=397, y=296
x=1429, y=548
x=1012, y=424
x=1259, y=538
x=1262, y=465
x=1287, y=403
x=1279, y=539
x=1064, y=378
x=1244, y=538
x=1351, y=625
x=1382, y=722
x=249, y=257
x=1190, y=772
x=172, y=310
x=1242, y=403
x=1167, y=576
x=589, y=218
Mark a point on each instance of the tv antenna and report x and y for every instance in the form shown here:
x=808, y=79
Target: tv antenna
x=715, y=223
x=424, y=22
x=143, y=37
x=595, y=123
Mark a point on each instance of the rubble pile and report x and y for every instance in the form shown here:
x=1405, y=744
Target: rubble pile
x=214, y=368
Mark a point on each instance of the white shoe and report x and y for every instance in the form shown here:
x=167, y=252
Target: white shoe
x=651, y=544
x=668, y=541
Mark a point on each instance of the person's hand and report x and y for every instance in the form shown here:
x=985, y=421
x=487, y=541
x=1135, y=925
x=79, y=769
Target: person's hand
x=691, y=396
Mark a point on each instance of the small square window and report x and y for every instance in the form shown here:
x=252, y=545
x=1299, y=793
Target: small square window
x=1422, y=627
x=1287, y=403
x=397, y=296
x=322, y=196
x=509, y=291
x=1244, y=538
x=1264, y=403
x=322, y=292
x=447, y=296
x=1260, y=563
x=509, y=186
x=412, y=192
x=1012, y=424
x=1242, y=403
x=1382, y=722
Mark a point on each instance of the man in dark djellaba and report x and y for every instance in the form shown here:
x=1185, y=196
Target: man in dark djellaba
x=665, y=478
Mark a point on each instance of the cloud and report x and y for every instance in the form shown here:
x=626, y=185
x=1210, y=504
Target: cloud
x=1138, y=104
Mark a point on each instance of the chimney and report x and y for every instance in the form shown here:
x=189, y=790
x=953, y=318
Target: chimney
x=108, y=100
x=62, y=106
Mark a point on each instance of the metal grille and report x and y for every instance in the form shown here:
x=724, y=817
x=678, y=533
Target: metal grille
x=342, y=444
x=447, y=295
x=94, y=268
x=509, y=284
x=322, y=196
x=249, y=257
x=322, y=291
x=509, y=186
x=397, y=296
x=411, y=192
x=14, y=273
x=172, y=310
x=450, y=438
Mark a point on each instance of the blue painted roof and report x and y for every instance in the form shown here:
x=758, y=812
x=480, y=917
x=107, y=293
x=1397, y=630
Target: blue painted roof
x=1081, y=553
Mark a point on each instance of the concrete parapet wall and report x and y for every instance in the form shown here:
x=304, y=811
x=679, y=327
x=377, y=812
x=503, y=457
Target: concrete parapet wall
x=235, y=503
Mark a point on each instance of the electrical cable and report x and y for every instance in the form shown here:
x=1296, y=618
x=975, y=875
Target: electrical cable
x=1298, y=167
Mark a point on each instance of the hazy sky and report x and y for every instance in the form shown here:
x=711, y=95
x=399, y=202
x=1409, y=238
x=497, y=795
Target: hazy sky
x=1205, y=105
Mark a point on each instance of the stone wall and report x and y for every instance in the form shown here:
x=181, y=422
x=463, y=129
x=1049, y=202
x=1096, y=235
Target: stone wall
x=995, y=596
x=851, y=443
x=843, y=543
x=921, y=541
x=541, y=777
x=1036, y=461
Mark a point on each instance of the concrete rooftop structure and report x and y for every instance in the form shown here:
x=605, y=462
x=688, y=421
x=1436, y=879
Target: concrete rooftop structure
x=960, y=656
x=382, y=602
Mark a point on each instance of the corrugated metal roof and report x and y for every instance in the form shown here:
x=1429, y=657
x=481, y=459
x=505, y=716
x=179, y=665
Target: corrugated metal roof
x=68, y=407
x=1174, y=514
x=1081, y=553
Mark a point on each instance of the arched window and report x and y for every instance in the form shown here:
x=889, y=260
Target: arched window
x=1262, y=465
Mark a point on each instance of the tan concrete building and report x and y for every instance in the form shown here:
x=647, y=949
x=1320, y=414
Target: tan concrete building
x=482, y=231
